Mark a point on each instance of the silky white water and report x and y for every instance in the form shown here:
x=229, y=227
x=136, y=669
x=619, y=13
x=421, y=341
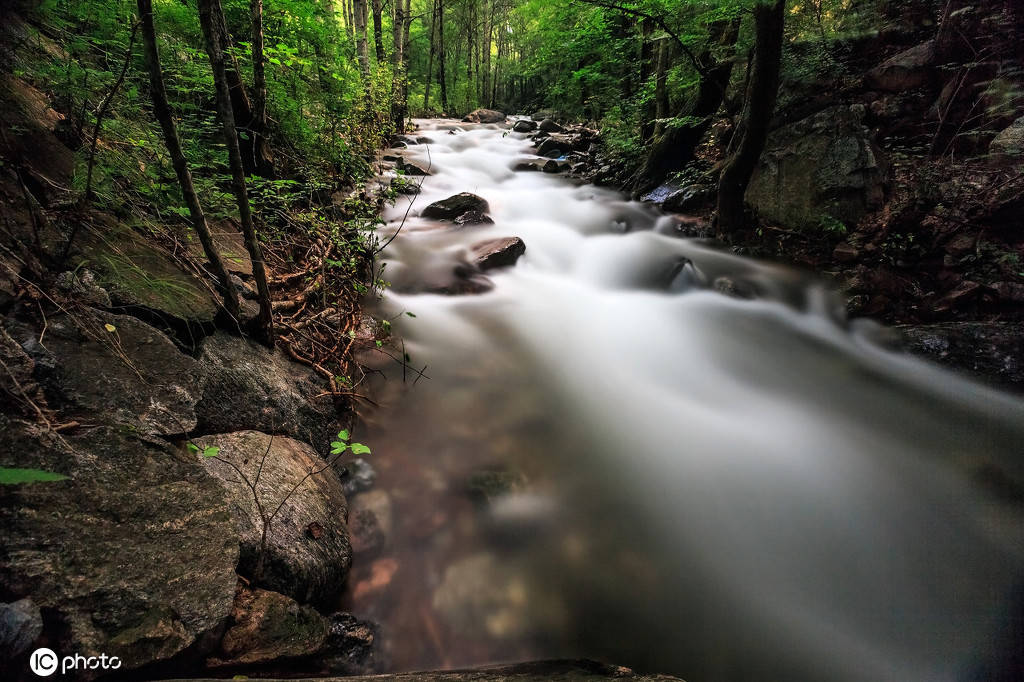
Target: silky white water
x=714, y=487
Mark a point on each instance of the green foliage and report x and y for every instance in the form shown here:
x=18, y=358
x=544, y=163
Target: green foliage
x=341, y=445
x=9, y=476
x=208, y=451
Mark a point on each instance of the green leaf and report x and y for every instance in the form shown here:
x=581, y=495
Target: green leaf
x=360, y=449
x=337, y=444
x=210, y=451
x=16, y=476
x=192, y=447
x=343, y=435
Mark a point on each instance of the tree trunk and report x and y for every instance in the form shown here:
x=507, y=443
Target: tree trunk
x=673, y=148
x=485, y=73
x=440, y=56
x=378, y=35
x=769, y=21
x=405, y=57
x=211, y=19
x=430, y=59
x=646, y=70
x=162, y=112
x=661, y=100
x=346, y=10
x=397, y=64
x=262, y=161
x=359, y=8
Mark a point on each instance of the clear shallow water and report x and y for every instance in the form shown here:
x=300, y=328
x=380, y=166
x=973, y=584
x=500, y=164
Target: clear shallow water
x=677, y=481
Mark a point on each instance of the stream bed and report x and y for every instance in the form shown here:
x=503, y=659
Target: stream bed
x=605, y=456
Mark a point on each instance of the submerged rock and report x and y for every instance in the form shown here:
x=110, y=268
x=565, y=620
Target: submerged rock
x=454, y=206
x=484, y=116
x=307, y=549
x=498, y=253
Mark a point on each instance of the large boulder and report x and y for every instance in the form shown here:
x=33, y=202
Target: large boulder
x=910, y=69
x=548, y=125
x=498, y=253
x=1009, y=143
x=555, y=146
x=524, y=125
x=133, y=555
x=245, y=385
x=113, y=369
x=689, y=198
x=307, y=552
x=454, y=206
x=821, y=167
x=484, y=116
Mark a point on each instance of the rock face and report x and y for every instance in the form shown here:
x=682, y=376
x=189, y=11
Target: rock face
x=244, y=385
x=524, y=126
x=484, y=116
x=20, y=624
x=307, y=549
x=907, y=70
x=133, y=556
x=991, y=350
x=267, y=626
x=127, y=373
x=498, y=253
x=822, y=166
x=455, y=206
x=1010, y=141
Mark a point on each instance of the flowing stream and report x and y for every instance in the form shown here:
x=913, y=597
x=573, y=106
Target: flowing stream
x=608, y=458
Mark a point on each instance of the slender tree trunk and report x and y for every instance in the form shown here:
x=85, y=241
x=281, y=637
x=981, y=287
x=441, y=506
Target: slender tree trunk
x=646, y=69
x=378, y=30
x=430, y=59
x=346, y=8
x=263, y=161
x=162, y=112
x=397, y=64
x=406, y=56
x=769, y=22
x=440, y=56
x=211, y=19
x=661, y=100
x=359, y=7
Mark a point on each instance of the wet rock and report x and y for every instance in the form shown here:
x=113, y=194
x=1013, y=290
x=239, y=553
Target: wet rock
x=907, y=70
x=245, y=385
x=554, y=146
x=498, y=253
x=659, y=194
x=524, y=126
x=359, y=475
x=133, y=555
x=822, y=166
x=351, y=645
x=963, y=293
x=526, y=166
x=474, y=218
x=309, y=567
x=845, y=253
x=484, y=116
x=424, y=140
x=548, y=125
x=20, y=624
x=454, y=206
x=128, y=373
x=370, y=521
x=989, y=350
x=552, y=166
x=267, y=626
x=393, y=158
x=468, y=280
x=1009, y=142
x=688, y=198
x=412, y=168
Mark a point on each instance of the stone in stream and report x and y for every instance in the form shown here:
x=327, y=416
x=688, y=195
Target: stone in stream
x=554, y=146
x=525, y=166
x=549, y=126
x=498, y=253
x=474, y=218
x=553, y=166
x=307, y=550
x=454, y=206
x=357, y=476
x=484, y=116
x=689, y=198
x=370, y=522
x=524, y=126
x=411, y=168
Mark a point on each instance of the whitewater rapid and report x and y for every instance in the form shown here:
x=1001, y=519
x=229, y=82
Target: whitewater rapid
x=715, y=487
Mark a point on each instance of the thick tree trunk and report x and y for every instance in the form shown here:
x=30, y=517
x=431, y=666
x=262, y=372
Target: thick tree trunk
x=378, y=30
x=211, y=19
x=440, y=56
x=262, y=161
x=673, y=148
x=397, y=64
x=162, y=112
x=430, y=58
x=757, y=113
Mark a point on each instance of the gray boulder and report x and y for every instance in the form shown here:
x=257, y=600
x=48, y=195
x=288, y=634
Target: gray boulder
x=454, y=206
x=484, y=116
x=245, y=385
x=133, y=555
x=307, y=553
x=912, y=68
x=498, y=253
x=823, y=165
x=689, y=198
x=548, y=125
x=524, y=126
x=20, y=624
x=554, y=146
